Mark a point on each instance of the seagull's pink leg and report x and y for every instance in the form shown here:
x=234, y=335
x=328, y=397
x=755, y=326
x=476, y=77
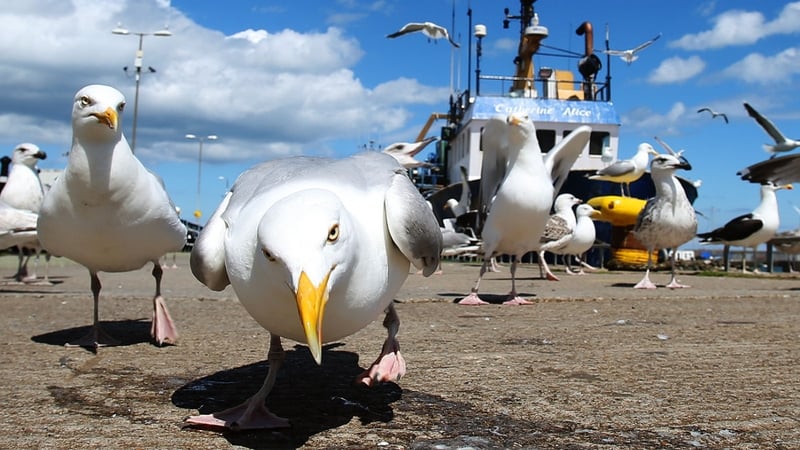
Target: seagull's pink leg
x=673, y=281
x=542, y=263
x=513, y=297
x=96, y=337
x=253, y=413
x=390, y=365
x=472, y=299
x=163, y=328
x=646, y=283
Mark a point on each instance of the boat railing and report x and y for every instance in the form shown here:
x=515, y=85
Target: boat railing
x=560, y=84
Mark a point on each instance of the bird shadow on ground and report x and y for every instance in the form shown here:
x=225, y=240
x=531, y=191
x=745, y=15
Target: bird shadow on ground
x=494, y=299
x=313, y=398
x=127, y=332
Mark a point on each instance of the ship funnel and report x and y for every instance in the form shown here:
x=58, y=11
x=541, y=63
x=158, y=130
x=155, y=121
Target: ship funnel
x=590, y=64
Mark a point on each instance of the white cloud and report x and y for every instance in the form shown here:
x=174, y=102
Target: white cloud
x=761, y=69
x=736, y=27
x=676, y=70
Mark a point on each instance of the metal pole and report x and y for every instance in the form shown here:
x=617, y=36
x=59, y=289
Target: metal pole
x=138, y=64
x=199, y=173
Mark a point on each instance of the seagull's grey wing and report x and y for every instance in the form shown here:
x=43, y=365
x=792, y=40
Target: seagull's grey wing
x=765, y=123
x=207, y=259
x=466, y=195
x=494, y=145
x=412, y=225
x=646, y=44
x=407, y=28
x=666, y=147
x=614, y=52
x=779, y=170
x=560, y=159
x=704, y=109
x=619, y=168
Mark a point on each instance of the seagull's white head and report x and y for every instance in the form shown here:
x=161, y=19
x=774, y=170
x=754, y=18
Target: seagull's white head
x=521, y=127
x=97, y=112
x=644, y=147
x=663, y=163
x=27, y=154
x=586, y=210
x=306, y=239
x=565, y=202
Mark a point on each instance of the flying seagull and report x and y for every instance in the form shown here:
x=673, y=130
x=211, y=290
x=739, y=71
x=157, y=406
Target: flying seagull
x=429, y=29
x=714, y=114
x=779, y=170
x=782, y=143
x=630, y=55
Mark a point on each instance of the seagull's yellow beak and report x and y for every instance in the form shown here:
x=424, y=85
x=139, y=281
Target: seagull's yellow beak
x=109, y=117
x=311, y=302
x=788, y=186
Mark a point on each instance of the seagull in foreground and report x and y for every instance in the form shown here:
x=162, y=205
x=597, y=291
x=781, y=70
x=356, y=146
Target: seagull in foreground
x=630, y=55
x=626, y=171
x=582, y=240
x=782, y=143
x=668, y=219
x=518, y=184
x=429, y=29
x=404, y=152
x=752, y=229
x=714, y=114
x=316, y=249
x=779, y=170
x=107, y=211
x=558, y=231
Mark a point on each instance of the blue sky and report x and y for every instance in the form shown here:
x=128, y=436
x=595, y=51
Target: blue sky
x=277, y=78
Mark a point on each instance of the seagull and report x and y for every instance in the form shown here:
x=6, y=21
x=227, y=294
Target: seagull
x=779, y=170
x=782, y=143
x=668, y=219
x=462, y=205
x=404, y=152
x=108, y=212
x=518, y=184
x=583, y=237
x=626, y=171
x=714, y=114
x=17, y=227
x=752, y=229
x=630, y=56
x=23, y=190
x=558, y=231
x=429, y=29
x=316, y=249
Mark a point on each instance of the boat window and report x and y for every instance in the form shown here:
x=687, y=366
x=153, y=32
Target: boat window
x=547, y=139
x=598, y=141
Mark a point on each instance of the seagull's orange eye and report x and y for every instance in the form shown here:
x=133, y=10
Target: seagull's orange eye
x=333, y=233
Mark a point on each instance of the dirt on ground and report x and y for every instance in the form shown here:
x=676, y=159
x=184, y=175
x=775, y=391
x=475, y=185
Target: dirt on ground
x=592, y=364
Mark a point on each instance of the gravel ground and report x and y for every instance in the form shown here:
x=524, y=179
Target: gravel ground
x=593, y=364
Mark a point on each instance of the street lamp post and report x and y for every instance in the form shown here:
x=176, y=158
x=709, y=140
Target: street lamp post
x=137, y=63
x=211, y=137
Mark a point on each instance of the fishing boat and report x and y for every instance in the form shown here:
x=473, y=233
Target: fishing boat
x=558, y=101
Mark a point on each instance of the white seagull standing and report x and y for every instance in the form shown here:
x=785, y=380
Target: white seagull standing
x=24, y=190
x=558, y=231
x=752, y=229
x=582, y=240
x=668, y=219
x=518, y=185
x=429, y=29
x=782, y=143
x=106, y=211
x=631, y=55
x=714, y=114
x=316, y=250
x=626, y=171
x=404, y=152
